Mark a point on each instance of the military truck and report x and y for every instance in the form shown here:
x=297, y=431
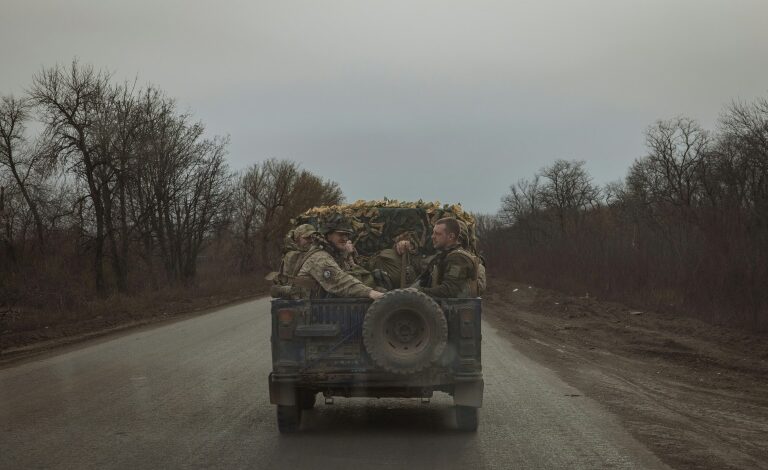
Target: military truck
x=405, y=345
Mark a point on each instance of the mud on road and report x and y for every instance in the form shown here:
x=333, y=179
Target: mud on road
x=695, y=394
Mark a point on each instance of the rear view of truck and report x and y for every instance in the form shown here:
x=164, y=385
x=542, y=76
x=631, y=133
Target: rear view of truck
x=405, y=344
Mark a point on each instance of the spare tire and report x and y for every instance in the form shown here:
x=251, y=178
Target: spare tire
x=405, y=331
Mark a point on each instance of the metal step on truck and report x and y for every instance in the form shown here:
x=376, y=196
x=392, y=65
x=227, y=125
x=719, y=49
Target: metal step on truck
x=405, y=345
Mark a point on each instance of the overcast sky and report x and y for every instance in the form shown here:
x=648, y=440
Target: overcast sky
x=439, y=100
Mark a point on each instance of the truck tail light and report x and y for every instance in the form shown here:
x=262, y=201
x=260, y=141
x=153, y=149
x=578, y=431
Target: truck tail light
x=285, y=323
x=467, y=325
x=285, y=316
x=467, y=315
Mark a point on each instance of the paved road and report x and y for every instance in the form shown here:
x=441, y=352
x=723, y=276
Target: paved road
x=193, y=394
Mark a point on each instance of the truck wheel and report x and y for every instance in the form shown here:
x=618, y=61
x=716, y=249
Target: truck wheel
x=466, y=418
x=405, y=331
x=307, y=399
x=288, y=418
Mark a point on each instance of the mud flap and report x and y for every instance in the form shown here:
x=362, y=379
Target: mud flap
x=469, y=393
x=282, y=393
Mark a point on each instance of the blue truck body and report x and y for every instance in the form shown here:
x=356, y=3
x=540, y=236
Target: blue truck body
x=318, y=348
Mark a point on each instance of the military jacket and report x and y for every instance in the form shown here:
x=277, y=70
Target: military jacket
x=359, y=272
x=288, y=265
x=291, y=255
x=454, y=273
x=389, y=261
x=319, y=273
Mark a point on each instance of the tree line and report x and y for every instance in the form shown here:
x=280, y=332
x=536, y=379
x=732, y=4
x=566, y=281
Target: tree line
x=686, y=230
x=107, y=186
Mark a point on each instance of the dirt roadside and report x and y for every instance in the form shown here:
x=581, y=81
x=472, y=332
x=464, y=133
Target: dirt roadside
x=24, y=334
x=695, y=394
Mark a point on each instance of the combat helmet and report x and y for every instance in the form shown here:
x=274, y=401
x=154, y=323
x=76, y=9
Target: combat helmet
x=304, y=230
x=338, y=225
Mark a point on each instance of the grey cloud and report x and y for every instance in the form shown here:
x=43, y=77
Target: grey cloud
x=376, y=95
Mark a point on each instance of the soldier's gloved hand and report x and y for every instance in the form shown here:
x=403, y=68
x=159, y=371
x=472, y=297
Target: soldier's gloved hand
x=375, y=295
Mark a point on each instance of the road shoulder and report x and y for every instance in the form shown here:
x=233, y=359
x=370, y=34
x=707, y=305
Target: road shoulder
x=693, y=393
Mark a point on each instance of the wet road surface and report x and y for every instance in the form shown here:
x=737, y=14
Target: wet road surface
x=193, y=394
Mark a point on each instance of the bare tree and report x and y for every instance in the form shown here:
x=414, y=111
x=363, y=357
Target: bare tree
x=743, y=154
x=567, y=189
x=270, y=185
x=117, y=135
x=671, y=170
x=487, y=228
x=20, y=158
x=71, y=101
x=614, y=193
x=275, y=192
x=524, y=199
x=245, y=210
x=179, y=185
x=203, y=202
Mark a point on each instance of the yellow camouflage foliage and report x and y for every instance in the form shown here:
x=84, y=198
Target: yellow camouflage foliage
x=368, y=222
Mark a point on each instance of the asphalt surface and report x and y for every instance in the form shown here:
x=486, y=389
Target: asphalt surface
x=193, y=394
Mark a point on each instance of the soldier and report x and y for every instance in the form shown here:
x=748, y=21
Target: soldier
x=465, y=242
x=403, y=255
x=350, y=265
x=297, y=242
x=319, y=272
x=454, y=271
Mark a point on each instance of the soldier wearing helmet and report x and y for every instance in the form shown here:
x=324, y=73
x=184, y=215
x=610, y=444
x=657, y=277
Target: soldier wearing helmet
x=320, y=272
x=297, y=242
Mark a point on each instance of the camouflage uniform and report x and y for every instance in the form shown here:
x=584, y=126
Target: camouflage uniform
x=390, y=262
x=465, y=242
x=452, y=273
x=321, y=271
x=293, y=253
x=350, y=266
x=320, y=274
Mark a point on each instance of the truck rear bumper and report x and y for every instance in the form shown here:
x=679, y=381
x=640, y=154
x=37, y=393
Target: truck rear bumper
x=467, y=389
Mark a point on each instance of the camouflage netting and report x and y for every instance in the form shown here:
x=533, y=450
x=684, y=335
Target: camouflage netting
x=379, y=224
